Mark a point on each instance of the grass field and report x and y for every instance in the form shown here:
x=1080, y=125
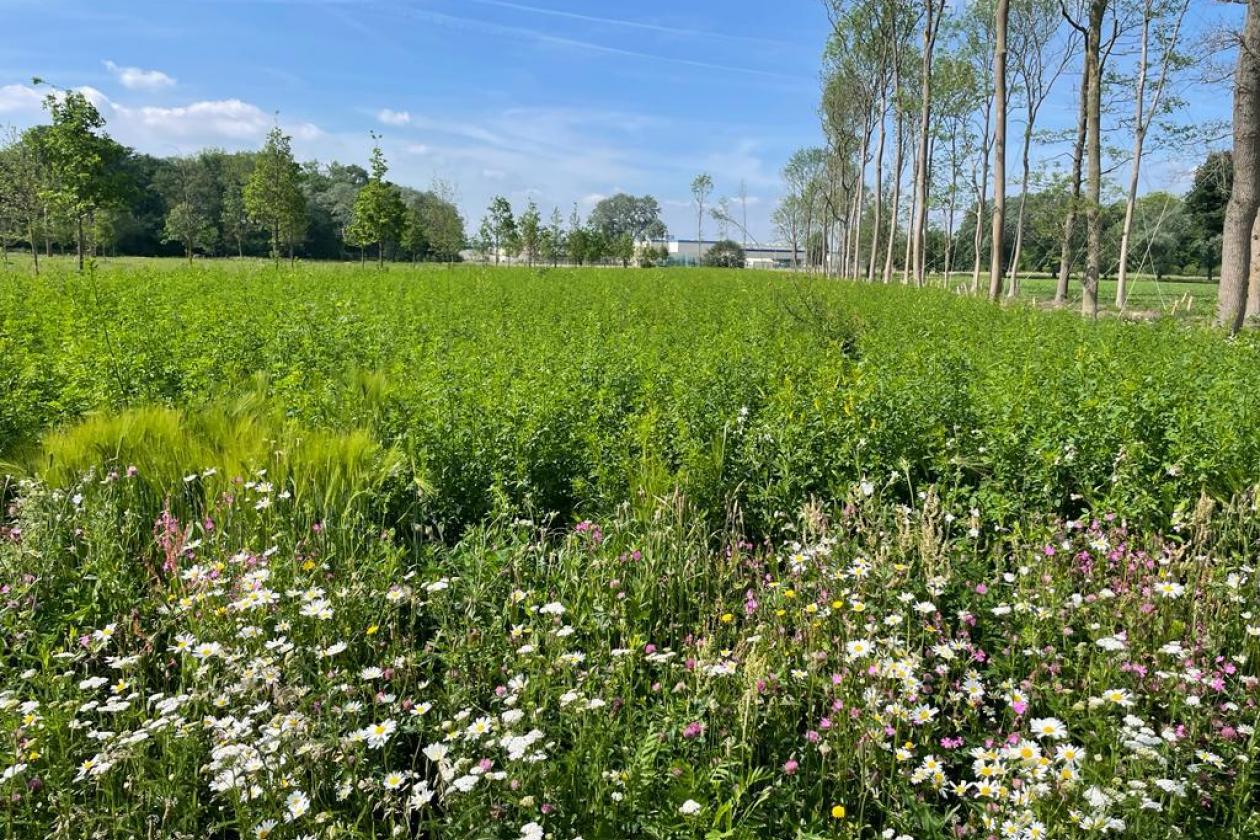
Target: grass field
x=321, y=551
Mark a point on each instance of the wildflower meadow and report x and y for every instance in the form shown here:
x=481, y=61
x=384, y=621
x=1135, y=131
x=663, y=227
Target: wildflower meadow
x=317, y=552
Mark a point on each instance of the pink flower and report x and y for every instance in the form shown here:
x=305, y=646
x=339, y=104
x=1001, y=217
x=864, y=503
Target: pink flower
x=790, y=767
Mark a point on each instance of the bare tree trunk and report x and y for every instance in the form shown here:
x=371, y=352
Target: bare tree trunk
x=30, y=226
x=1141, y=125
x=953, y=206
x=898, y=162
x=79, y=243
x=860, y=201
x=1013, y=271
x=1066, y=256
x=919, y=226
x=1240, y=215
x=1093, y=208
x=982, y=205
x=999, y=154
x=879, y=186
x=909, y=255
x=1139, y=135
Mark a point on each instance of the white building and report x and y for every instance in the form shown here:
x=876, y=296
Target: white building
x=691, y=251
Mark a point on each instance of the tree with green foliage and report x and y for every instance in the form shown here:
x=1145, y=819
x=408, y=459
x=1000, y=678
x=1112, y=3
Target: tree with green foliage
x=701, y=186
x=1205, y=205
x=85, y=173
x=444, y=226
x=188, y=224
x=273, y=194
x=192, y=192
x=531, y=232
x=501, y=227
x=379, y=212
x=640, y=217
x=414, y=239
x=554, y=242
x=233, y=217
x=20, y=203
x=621, y=247
x=725, y=254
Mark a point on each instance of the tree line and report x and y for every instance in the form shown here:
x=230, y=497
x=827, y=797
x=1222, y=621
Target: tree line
x=68, y=187
x=619, y=228
x=912, y=180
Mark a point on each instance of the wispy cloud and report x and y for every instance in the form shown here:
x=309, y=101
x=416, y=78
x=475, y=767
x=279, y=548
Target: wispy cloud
x=390, y=117
x=460, y=22
x=136, y=78
x=626, y=23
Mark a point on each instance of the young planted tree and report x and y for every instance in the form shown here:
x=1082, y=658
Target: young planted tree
x=273, y=195
x=531, y=233
x=956, y=95
x=444, y=226
x=1039, y=58
x=980, y=40
x=701, y=186
x=188, y=224
x=996, y=250
x=933, y=13
x=622, y=249
x=554, y=249
x=1165, y=18
x=191, y=190
x=379, y=211
x=1239, y=236
x=84, y=164
x=500, y=224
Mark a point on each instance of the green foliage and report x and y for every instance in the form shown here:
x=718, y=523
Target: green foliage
x=273, y=195
x=725, y=254
x=379, y=212
x=634, y=216
x=566, y=392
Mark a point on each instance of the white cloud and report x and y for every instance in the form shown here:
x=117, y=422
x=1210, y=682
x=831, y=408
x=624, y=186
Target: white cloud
x=593, y=198
x=19, y=98
x=417, y=149
x=226, y=118
x=136, y=78
x=493, y=174
x=162, y=130
x=389, y=117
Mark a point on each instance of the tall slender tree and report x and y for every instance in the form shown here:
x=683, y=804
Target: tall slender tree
x=84, y=164
x=701, y=186
x=933, y=13
x=1039, y=57
x=1166, y=18
x=996, y=249
x=1240, y=236
x=379, y=212
x=273, y=195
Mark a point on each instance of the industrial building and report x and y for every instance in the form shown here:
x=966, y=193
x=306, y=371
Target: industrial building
x=691, y=251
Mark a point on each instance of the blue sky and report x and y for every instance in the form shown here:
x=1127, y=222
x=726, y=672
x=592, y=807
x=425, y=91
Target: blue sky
x=559, y=100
